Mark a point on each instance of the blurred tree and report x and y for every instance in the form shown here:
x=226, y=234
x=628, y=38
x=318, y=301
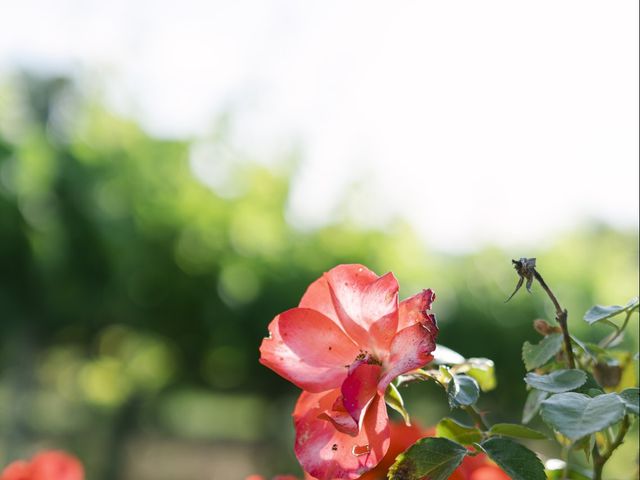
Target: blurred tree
x=135, y=270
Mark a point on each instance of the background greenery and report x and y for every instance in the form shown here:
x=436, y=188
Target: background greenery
x=134, y=293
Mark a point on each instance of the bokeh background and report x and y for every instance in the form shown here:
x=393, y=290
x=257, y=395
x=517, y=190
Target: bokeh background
x=173, y=176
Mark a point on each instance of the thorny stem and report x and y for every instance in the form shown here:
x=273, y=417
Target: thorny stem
x=561, y=317
x=473, y=412
x=599, y=459
x=526, y=268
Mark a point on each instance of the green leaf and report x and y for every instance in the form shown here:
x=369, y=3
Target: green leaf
x=575, y=415
x=589, y=384
x=582, y=345
x=444, y=375
x=393, y=398
x=600, y=312
x=630, y=399
x=483, y=370
x=593, y=350
x=517, y=431
x=434, y=458
x=558, y=381
x=535, y=356
x=532, y=405
x=463, y=391
x=449, y=428
x=517, y=461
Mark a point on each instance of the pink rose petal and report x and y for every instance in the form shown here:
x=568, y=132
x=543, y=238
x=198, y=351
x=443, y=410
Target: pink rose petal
x=326, y=453
x=359, y=388
x=362, y=300
x=411, y=348
x=308, y=349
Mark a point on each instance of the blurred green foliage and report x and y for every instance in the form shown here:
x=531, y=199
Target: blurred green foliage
x=138, y=276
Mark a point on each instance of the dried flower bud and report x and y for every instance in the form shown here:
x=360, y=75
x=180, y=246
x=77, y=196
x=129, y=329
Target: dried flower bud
x=607, y=375
x=526, y=268
x=545, y=328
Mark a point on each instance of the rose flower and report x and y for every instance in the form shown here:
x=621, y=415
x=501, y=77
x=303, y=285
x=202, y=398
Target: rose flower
x=343, y=345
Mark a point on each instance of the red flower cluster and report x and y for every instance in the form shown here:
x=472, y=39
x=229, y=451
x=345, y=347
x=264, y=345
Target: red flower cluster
x=402, y=437
x=48, y=465
x=345, y=342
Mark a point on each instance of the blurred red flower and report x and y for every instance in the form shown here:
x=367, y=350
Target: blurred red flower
x=343, y=345
x=47, y=465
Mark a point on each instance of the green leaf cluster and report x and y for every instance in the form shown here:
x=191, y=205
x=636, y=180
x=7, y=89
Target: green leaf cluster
x=437, y=458
x=572, y=401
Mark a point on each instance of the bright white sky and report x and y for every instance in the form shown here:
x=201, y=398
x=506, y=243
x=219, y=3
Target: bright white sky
x=479, y=121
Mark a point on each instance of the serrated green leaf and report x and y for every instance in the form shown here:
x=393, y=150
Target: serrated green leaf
x=558, y=381
x=600, y=312
x=576, y=415
x=630, y=399
x=462, y=391
x=517, y=461
x=515, y=430
x=449, y=428
x=535, y=356
x=532, y=404
x=589, y=384
x=393, y=398
x=434, y=458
